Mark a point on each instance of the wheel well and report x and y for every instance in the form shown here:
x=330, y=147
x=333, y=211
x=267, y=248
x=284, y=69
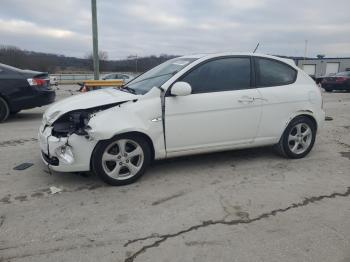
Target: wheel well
x=3, y=97
x=309, y=117
x=304, y=115
x=144, y=136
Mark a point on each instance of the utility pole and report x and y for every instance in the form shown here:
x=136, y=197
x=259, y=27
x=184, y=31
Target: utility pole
x=136, y=61
x=95, y=41
x=305, y=52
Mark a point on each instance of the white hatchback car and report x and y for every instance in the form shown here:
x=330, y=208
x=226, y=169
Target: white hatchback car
x=187, y=105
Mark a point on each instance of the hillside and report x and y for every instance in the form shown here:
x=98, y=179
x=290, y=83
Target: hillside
x=54, y=63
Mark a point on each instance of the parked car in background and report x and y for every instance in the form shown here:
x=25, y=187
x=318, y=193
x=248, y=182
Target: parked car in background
x=118, y=76
x=340, y=81
x=118, y=79
x=187, y=105
x=53, y=81
x=23, y=89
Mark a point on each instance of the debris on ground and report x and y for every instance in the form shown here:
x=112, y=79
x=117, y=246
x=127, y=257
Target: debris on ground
x=55, y=190
x=23, y=166
x=328, y=118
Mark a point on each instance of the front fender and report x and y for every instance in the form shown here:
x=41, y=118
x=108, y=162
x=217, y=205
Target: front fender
x=134, y=116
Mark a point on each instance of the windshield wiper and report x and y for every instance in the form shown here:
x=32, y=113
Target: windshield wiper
x=128, y=89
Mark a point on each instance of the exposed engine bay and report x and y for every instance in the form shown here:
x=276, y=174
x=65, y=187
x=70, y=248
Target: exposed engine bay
x=76, y=122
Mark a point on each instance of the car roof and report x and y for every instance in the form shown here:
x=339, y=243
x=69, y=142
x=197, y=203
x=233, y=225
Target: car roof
x=213, y=55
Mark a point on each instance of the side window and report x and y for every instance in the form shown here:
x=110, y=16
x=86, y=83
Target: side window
x=274, y=73
x=224, y=74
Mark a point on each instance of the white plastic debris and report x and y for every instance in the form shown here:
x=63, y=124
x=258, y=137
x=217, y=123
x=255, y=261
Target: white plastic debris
x=55, y=190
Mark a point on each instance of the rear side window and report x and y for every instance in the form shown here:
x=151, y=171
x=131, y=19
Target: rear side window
x=274, y=73
x=8, y=73
x=224, y=74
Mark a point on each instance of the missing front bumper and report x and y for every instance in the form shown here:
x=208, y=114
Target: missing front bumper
x=69, y=154
x=53, y=161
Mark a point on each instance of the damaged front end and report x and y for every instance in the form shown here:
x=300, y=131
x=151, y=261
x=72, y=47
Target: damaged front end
x=76, y=122
x=65, y=143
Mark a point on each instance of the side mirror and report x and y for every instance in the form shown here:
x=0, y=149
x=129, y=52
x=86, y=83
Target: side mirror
x=181, y=89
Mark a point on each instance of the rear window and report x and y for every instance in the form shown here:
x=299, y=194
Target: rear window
x=8, y=72
x=274, y=73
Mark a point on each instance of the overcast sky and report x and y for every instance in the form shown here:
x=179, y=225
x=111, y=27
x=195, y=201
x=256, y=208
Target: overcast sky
x=146, y=27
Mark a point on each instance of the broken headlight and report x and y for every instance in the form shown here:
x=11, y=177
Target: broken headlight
x=75, y=122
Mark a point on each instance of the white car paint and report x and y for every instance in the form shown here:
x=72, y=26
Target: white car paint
x=193, y=124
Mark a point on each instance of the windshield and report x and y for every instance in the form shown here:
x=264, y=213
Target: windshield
x=158, y=75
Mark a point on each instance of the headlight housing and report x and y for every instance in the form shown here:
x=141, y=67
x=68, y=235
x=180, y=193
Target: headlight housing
x=74, y=122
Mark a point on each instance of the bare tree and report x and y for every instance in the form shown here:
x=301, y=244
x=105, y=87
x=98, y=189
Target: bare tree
x=103, y=57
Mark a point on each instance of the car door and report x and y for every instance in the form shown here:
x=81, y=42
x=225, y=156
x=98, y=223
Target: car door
x=222, y=111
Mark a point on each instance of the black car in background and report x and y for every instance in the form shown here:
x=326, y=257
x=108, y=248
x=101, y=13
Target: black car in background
x=23, y=89
x=339, y=81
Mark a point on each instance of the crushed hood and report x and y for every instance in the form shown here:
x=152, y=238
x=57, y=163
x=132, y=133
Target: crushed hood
x=86, y=100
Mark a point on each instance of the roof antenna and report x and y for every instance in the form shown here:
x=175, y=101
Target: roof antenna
x=256, y=48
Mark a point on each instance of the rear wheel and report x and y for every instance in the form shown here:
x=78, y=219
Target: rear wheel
x=121, y=160
x=298, y=138
x=4, y=110
x=329, y=90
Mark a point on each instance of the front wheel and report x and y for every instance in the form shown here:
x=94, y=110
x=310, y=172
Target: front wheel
x=298, y=138
x=121, y=160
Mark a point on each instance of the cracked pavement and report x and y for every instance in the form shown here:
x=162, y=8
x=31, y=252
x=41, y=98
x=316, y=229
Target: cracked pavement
x=247, y=205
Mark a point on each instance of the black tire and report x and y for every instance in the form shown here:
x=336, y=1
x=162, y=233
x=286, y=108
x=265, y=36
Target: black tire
x=283, y=147
x=4, y=110
x=98, y=165
x=328, y=90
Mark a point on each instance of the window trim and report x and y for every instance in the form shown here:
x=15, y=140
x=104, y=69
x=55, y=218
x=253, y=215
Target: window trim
x=252, y=73
x=257, y=72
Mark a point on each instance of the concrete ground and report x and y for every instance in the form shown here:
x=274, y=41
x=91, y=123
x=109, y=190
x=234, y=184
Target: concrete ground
x=248, y=205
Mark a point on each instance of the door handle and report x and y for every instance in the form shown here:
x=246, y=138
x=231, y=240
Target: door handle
x=249, y=99
x=246, y=99
x=260, y=98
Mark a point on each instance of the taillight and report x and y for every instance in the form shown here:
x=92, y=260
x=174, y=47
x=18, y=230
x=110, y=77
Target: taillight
x=36, y=81
x=341, y=79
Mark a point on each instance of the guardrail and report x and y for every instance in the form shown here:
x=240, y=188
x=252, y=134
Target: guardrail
x=72, y=78
x=89, y=85
x=78, y=78
x=102, y=83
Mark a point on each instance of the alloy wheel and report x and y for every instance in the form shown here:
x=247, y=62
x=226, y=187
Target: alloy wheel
x=300, y=138
x=122, y=159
